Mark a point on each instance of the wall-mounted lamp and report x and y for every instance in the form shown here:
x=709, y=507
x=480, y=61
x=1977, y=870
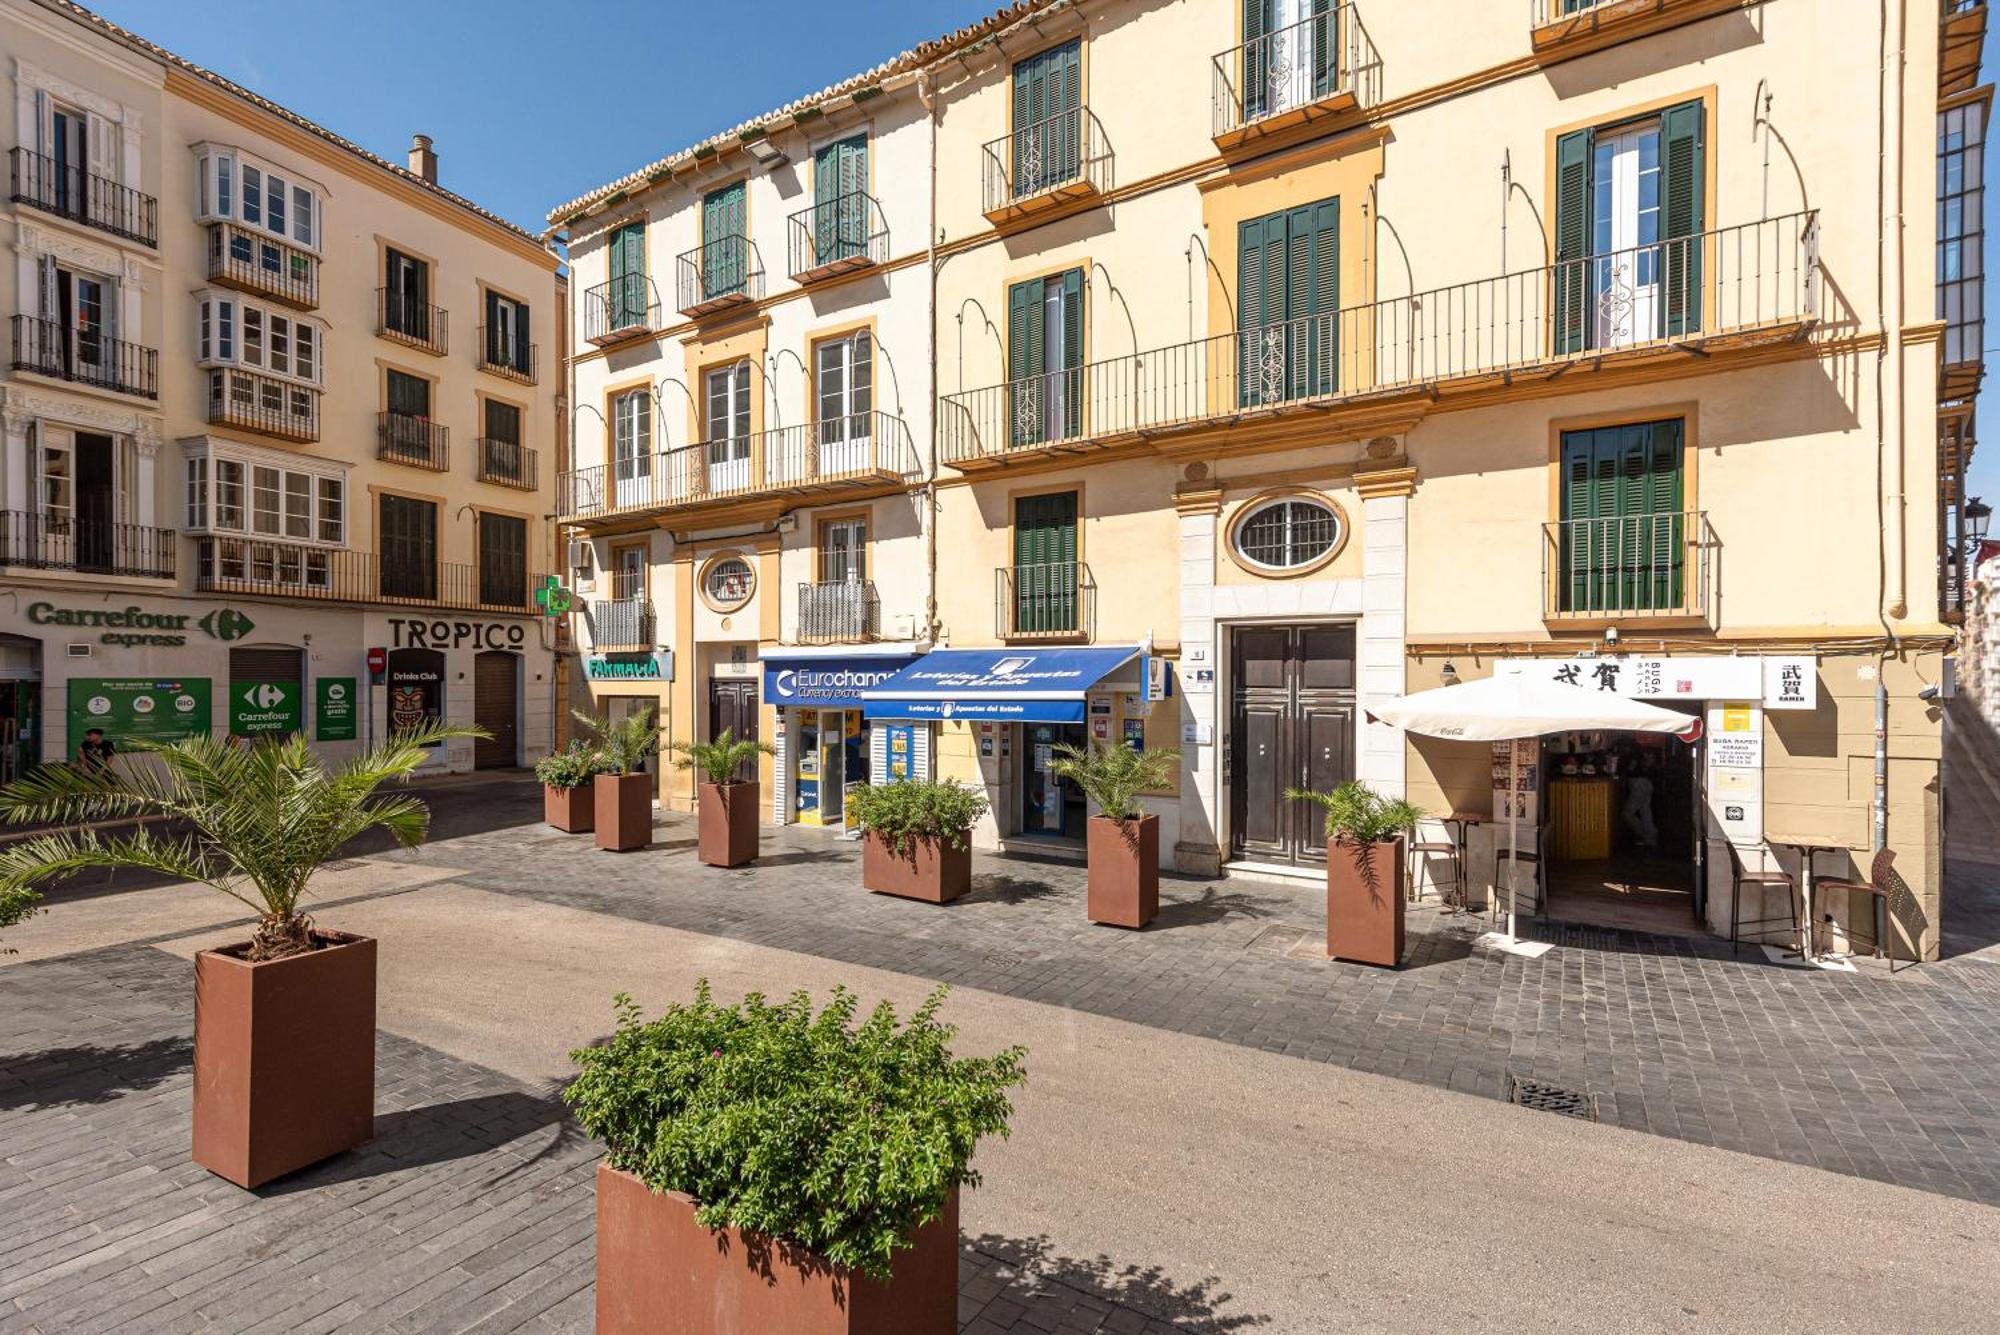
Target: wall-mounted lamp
x=1450, y=673
x=766, y=154
x=1611, y=637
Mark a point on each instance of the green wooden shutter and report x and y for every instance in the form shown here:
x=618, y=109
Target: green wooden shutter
x=628, y=276
x=724, y=258
x=1048, y=90
x=1325, y=31
x=1623, y=548
x=1572, y=276
x=1066, y=111
x=1045, y=574
x=1683, y=176
x=1312, y=296
x=1261, y=305
x=1030, y=107
x=1025, y=396
x=1071, y=381
x=840, y=174
x=1255, y=91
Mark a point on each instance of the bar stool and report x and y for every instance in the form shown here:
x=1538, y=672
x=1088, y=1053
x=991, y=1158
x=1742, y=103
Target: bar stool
x=1530, y=857
x=1880, y=888
x=1420, y=849
x=1741, y=877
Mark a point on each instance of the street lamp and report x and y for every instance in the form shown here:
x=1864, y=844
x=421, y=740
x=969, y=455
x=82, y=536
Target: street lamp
x=1978, y=514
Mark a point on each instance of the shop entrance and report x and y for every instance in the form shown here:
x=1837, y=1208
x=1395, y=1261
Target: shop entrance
x=830, y=757
x=20, y=706
x=1051, y=807
x=496, y=707
x=732, y=705
x=1291, y=725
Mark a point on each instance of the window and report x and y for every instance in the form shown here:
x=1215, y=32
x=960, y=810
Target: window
x=632, y=446
x=843, y=551
x=728, y=583
x=628, y=573
x=264, y=500
x=843, y=383
x=725, y=256
x=409, y=395
x=1290, y=533
x=1048, y=120
x=273, y=341
x=332, y=510
x=503, y=422
x=503, y=560
x=406, y=296
x=1622, y=536
x=269, y=499
x=1045, y=357
x=626, y=296
x=408, y=534
x=1961, y=231
x=840, y=215
x=253, y=195
x=1046, y=574
x=1290, y=54
x=507, y=334
x=1287, y=299
x=727, y=431
x=302, y=215
x=234, y=188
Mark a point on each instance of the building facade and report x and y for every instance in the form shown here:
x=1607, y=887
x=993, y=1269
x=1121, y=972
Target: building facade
x=271, y=402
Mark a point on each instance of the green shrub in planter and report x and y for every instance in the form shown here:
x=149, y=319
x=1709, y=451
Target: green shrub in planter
x=901, y=812
x=572, y=767
x=1357, y=814
x=1114, y=776
x=810, y=1129
x=622, y=747
x=17, y=903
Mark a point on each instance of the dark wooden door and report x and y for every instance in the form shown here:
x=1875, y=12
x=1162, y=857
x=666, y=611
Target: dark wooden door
x=408, y=536
x=96, y=510
x=496, y=703
x=732, y=704
x=1291, y=726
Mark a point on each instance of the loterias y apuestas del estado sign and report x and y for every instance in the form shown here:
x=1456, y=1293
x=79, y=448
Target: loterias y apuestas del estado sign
x=135, y=625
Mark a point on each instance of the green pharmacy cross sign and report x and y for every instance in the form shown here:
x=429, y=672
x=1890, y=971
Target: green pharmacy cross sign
x=552, y=597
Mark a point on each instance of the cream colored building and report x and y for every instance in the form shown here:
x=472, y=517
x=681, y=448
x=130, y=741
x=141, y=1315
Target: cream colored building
x=271, y=402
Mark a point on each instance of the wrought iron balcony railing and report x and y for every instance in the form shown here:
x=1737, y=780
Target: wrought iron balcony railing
x=839, y=612
x=1065, y=156
x=264, y=404
x=1751, y=283
x=293, y=570
x=836, y=236
x=86, y=357
x=720, y=273
x=623, y=623
x=504, y=352
x=507, y=462
x=858, y=448
x=627, y=306
x=406, y=319
x=409, y=438
x=1643, y=565
x=87, y=546
x=1298, y=72
x=253, y=262
x=69, y=192
x=1051, y=600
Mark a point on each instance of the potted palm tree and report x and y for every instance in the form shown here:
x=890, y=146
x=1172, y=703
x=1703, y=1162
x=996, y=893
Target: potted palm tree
x=769, y=1169
x=1364, y=871
x=569, y=799
x=1123, y=844
x=622, y=792
x=284, y=1023
x=725, y=806
x=914, y=838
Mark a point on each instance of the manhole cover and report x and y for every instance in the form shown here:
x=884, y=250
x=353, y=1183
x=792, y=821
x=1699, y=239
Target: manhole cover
x=1545, y=1097
x=1003, y=961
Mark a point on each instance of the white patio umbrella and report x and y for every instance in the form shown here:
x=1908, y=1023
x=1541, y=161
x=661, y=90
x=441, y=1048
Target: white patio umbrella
x=1507, y=708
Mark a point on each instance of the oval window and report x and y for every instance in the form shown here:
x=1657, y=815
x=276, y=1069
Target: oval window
x=729, y=582
x=1287, y=533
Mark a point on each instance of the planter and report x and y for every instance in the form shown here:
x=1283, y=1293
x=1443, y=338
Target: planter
x=624, y=812
x=661, y=1273
x=1124, y=878
x=1364, y=902
x=571, y=810
x=284, y=1058
x=935, y=871
x=726, y=821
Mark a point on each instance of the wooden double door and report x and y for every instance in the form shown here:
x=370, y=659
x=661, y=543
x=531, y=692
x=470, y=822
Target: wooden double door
x=732, y=705
x=1291, y=725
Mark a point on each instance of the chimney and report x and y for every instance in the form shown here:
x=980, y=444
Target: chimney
x=423, y=158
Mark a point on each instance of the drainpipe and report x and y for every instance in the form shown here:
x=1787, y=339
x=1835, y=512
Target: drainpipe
x=927, y=95
x=1890, y=373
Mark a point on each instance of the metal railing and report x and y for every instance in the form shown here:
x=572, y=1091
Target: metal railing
x=254, y=262
x=505, y=352
x=1068, y=151
x=507, y=462
x=405, y=319
x=88, y=546
x=1293, y=68
x=839, y=611
x=1541, y=13
x=292, y=570
x=85, y=356
x=622, y=623
x=721, y=272
x=621, y=307
x=1661, y=564
x=407, y=438
x=70, y=192
x=1689, y=292
x=859, y=446
x=1052, y=600
x=263, y=403
x=843, y=233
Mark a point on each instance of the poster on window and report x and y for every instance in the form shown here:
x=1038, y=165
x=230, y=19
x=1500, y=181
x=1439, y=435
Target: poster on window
x=416, y=688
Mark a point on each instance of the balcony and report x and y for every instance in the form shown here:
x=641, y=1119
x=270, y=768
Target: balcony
x=85, y=357
x=506, y=353
x=1047, y=169
x=85, y=546
x=43, y=183
x=1700, y=296
x=624, y=308
x=507, y=463
x=1295, y=82
x=839, y=236
x=409, y=438
x=1961, y=42
x=1056, y=600
x=860, y=453
x=289, y=570
x=622, y=623
x=404, y=319
x=253, y=262
x=1654, y=567
x=719, y=275
x=1564, y=29
x=839, y=612
x=263, y=404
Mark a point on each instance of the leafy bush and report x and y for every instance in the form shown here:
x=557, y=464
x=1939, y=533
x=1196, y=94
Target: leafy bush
x=571, y=767
x=17, y=904
x=1112, y=776
x=904, y=812
x=719, y=760
x=1357, y=814
x=801, y=1127
x=622, y=747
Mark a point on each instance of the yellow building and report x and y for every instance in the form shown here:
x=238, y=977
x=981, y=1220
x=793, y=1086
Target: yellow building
x=272, y=402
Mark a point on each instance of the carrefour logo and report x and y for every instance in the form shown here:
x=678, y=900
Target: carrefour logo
x=264, y=696
x=226, y=623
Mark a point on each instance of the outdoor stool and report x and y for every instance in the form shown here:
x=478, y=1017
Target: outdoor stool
x=1880, y=888
x=1448, y=890
x=1742, y=876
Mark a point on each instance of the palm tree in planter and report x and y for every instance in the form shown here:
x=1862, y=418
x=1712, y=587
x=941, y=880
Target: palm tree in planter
x=725, y=806
x=1364, y=871
x=914, y=837
x=771, y=1169
x=569, y=798
x=1124, y=839
x=284, y=1023
x=623, y=791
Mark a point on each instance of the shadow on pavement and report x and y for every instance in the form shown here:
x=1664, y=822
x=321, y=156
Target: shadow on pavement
x=1037, y=1264
x=1002, y=889
x=90, y=1073
x=1211, y=906
x=439, y=1133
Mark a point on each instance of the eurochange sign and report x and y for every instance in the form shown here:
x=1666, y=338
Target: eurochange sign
x=826, y=683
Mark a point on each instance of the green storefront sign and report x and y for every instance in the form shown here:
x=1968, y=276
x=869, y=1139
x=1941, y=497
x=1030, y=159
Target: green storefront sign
x=629, y=667
x=333, y=718
x=129, y=710
x=134, y=626
x=262, y=708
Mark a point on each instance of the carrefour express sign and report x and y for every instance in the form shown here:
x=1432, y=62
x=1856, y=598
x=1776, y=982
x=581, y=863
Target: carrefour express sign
x=826, y=683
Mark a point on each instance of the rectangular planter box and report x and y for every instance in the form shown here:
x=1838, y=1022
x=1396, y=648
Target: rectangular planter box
x=661, y=1273
x=284, y=1058
x=1124, y=878
x=726, y=823
x=624, y=811
x=934, y=872
x=571, y=810
x=1364, y=902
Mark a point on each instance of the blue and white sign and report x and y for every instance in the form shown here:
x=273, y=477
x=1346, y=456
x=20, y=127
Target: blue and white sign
x=1001, y=685
x=825, y=683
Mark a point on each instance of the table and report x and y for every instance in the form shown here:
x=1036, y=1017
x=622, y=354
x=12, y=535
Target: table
x=1460, y=824
x=1808, y=846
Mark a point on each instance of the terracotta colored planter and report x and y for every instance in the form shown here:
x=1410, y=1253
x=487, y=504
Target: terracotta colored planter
x=726, y=819
x=284, y=1058
x=934, y=871
x=1364, y=902
x=661, y=1273
x=571, y=810
x=624, y=812
x=1124, y=884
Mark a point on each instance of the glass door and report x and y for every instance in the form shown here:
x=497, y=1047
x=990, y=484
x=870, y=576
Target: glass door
x=844, y=381
x=729, y=428
x=632, y=447
x=1625, y=244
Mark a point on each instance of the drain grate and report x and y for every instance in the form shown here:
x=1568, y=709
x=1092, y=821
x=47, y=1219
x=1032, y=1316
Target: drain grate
x=1545, y=1097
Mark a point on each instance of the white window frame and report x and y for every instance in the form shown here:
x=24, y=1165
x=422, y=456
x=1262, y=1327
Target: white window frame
x=224, y=321
x=224, y=193
x=222, y=478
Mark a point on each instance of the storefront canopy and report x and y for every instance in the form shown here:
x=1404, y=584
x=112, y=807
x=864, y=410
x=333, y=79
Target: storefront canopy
x=1508, y=705
x=1005, y=685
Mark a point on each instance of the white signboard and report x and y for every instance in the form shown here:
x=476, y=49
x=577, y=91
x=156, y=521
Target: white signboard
x=1735, y=738
x=1780, y=683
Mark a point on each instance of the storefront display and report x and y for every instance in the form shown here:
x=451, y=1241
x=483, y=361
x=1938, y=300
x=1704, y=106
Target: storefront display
x=150, y=710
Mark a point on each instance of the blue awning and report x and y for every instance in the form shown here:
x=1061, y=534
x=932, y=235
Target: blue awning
x=1004, y=685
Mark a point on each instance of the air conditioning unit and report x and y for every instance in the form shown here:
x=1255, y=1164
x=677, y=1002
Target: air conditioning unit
x=580, y=552
x=80, y=649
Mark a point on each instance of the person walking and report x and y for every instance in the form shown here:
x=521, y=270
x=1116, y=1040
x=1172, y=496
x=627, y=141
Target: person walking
x=1638, y=812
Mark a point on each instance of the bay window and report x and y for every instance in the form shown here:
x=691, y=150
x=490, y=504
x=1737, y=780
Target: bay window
x=255, y=496
x=282, y=344
x=232, y=186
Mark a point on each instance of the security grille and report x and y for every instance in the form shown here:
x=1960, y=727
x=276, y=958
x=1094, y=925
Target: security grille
x=1287, y=534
